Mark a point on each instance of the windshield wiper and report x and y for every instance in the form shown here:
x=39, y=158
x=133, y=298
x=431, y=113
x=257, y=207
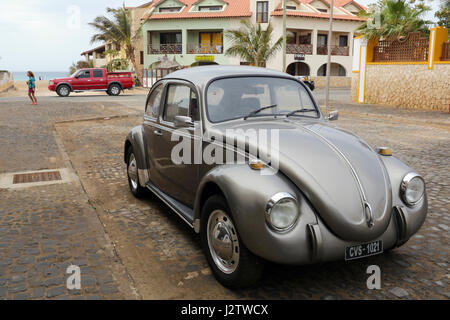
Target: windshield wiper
x=300, y=111
x=259, y=110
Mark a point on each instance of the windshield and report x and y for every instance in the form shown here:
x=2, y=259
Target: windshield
x=234, y=98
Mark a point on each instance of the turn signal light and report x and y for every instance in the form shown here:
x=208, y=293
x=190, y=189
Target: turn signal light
x=256, y=164
x=384, y=151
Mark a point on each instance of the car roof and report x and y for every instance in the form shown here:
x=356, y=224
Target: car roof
x=200, y=76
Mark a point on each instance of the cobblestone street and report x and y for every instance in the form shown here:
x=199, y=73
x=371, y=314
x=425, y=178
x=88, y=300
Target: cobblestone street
x=131, y=249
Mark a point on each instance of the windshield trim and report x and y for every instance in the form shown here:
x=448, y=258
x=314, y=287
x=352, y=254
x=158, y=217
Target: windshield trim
x=287, y=77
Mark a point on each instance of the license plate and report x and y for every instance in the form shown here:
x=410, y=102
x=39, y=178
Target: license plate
x=363, y=250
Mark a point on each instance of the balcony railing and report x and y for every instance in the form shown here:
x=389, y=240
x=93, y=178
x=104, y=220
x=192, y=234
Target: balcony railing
x=335, y=50
x=172, y=48
x=299, y=48
x=445, y=51
x=198, y=48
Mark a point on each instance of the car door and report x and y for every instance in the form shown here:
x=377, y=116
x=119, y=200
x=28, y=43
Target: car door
x=174, y=145
x=98, y=80
x=151, y=127
x=82, y=80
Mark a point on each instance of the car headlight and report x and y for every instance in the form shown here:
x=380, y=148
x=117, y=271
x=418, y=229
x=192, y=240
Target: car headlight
x=282, y=211
x=412, y=188
x=51, y=82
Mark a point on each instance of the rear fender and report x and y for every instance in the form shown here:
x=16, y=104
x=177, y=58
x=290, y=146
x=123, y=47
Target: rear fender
x=135, y=139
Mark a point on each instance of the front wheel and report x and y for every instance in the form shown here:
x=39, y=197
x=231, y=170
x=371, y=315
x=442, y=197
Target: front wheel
x=63, y=91
x=233, y=265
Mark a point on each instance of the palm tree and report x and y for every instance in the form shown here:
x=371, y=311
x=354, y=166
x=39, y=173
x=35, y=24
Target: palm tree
x=117, y=31
x=396, y=18
x=252, y=44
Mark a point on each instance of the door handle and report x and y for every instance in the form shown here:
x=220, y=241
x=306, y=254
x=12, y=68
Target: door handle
x=158, y=132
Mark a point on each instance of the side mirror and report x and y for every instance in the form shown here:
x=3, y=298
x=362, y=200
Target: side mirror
x=183, y=122
x=333, y=115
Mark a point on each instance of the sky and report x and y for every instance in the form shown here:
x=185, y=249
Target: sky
x=49, y=35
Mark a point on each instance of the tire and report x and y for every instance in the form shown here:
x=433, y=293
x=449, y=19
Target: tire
x=241, y=268
x=63, y=90
x=133, y=177
x=114, y=90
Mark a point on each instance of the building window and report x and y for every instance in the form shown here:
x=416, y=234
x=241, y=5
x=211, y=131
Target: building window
x=170, y=37
x=211, y=42
x=305, y=39
x=169, y=9
x=343, y=41
x=141, y=57
x=291, y=8
x=322, y=40
x=291, y=37
x=323, y=10
x=209, y=8
x=262, y=11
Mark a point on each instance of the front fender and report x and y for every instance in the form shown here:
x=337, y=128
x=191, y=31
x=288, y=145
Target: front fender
x=247, y=192
x=414, y=216
x=135, y=139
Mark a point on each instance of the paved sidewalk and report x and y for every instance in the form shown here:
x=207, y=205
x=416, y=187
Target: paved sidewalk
x=45, y=229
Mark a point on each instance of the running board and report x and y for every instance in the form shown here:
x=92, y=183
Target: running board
x=185, y=213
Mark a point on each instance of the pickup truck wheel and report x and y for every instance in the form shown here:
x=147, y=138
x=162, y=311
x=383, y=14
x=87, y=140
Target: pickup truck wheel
x=114, y=90
x=233, y=265
x=63, y=90
x=133, y=176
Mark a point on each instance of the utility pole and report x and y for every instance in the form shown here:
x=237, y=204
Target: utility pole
x=330, y=31
x=284, y=36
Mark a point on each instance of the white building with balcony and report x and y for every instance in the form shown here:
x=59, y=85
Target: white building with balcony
x=193, y=32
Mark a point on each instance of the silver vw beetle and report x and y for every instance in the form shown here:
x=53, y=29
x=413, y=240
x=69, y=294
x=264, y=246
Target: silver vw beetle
x=246, y=158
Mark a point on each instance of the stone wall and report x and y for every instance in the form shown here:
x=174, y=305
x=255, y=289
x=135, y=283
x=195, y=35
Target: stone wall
x=6, y=81
x=335, y=82
x=408, y=86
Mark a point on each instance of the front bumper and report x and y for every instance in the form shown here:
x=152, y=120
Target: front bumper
x=318, y=244
x=51, y=87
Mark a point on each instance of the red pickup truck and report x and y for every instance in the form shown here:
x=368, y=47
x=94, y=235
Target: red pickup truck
x=93, y=79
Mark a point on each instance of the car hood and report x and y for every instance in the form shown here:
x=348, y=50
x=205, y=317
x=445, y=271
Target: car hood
x=340, y=174
x=61, y=79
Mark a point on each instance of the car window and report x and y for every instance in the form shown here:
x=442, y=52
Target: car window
x=153, y=102
x=234, y=98
x=98, y=73
x=181, y=100
x=84, y=74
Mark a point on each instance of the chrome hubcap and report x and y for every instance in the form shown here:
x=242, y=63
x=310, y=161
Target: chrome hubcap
x=223, y=242
x=115, y=90
x=133, y=172
x=64, y=91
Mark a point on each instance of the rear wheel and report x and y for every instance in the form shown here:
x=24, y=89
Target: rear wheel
x=114, y=90
x=63, y=90
x=233, y=265
x=133, y=176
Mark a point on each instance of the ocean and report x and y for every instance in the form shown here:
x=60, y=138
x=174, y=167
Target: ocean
x=45, y=75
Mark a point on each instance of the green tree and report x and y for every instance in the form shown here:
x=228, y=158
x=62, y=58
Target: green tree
x=393, y=18
x=80, y=65
x=252, y=44
x=117, y=30
x=443, y=14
